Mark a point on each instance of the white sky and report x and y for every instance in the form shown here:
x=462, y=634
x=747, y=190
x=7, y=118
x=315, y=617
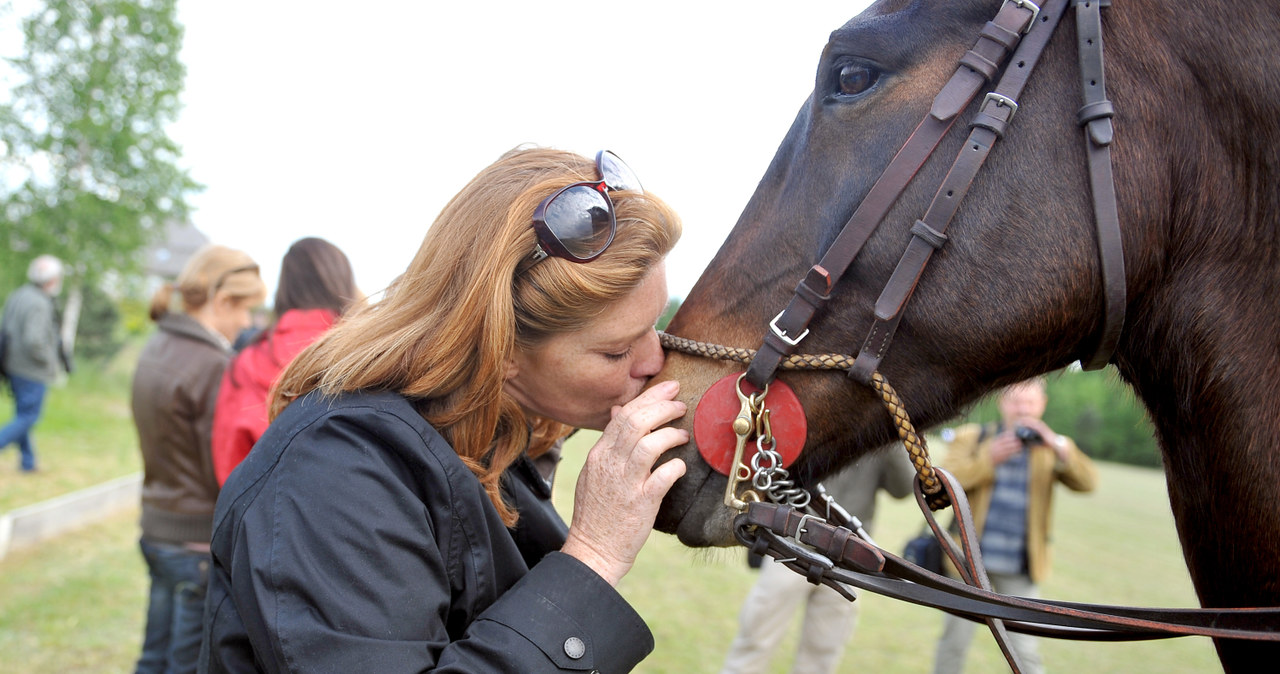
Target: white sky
x=357, y=122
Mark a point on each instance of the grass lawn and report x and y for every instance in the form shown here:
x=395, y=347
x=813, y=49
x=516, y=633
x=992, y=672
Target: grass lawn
x=85, y=436
x=76, y=604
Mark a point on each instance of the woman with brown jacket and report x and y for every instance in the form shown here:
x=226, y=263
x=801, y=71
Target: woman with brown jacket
x=174, y=390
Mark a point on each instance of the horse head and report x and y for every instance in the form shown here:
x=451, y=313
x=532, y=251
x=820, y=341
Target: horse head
x=1024, y=281
x=1016, y=290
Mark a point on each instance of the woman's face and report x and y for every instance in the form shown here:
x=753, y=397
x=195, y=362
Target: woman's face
x=576, y=378
x=230, y=315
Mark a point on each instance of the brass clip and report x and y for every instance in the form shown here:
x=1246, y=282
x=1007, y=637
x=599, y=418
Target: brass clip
x=745, y=425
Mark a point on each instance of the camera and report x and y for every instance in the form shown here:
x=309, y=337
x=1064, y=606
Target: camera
x=1028, y=436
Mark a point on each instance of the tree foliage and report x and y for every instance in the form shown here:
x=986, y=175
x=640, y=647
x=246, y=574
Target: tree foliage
x=90, y=174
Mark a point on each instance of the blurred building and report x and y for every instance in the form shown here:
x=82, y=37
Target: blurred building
x=164, y=260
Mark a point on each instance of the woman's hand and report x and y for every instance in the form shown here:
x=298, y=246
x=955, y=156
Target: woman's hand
x=619, y=490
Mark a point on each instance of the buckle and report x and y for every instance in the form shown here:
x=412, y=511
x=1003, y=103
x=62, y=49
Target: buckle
x=1000, y=100
x=782, y=334
x=805, y=518
x=1027, y=5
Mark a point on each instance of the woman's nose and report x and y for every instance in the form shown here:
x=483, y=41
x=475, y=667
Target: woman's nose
x=649, y=357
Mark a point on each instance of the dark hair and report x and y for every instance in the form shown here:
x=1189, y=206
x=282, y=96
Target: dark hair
x=315, y=274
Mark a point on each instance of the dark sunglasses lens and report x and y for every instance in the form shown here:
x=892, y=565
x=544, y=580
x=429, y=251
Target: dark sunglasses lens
x=580, y=218
x=616, y=174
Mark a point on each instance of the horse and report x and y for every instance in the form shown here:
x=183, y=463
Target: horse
x=1017, y=287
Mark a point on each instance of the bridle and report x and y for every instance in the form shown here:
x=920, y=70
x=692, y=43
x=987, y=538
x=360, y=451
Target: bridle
x=828, y=545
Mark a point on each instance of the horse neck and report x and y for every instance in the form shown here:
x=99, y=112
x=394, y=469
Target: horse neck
x=1198, y=182
x=1202, y=355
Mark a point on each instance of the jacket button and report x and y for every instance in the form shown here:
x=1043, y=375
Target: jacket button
x=574, y=647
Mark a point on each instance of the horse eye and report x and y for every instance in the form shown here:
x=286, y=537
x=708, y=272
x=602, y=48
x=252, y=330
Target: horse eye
x=856, y=79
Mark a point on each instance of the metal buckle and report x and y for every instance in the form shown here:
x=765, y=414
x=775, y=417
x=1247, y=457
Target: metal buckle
x=1026, y=4
x=1002, y=100
x=805, y=518
x=781, y=334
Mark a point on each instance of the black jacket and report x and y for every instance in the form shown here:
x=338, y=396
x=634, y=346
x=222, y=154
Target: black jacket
x=353, y=539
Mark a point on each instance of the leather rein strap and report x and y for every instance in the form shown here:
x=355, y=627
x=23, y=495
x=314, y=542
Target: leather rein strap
x=1019, y=28
x=828, y=552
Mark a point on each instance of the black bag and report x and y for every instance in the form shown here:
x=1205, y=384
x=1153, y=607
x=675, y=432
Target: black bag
x=924, y=551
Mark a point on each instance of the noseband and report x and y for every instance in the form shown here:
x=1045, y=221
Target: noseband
x=842, y=554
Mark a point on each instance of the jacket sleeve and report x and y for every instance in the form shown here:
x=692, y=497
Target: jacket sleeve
x=238, y=422
x=204, y=391
x=349, y=571
x=1078, y=472
x=39, y=335
x=970, y=460
x=560, y=617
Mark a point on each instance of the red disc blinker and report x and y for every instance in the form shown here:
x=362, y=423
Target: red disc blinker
x=719, y=406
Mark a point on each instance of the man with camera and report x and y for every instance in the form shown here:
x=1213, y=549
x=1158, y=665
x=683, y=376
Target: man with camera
x=1008, y=471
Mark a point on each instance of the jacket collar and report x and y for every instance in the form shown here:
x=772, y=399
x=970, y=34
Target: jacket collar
x=182, y=325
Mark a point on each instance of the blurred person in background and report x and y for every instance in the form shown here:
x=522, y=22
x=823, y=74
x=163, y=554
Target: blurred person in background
x=316, y=287
x=392, y=517
x=1008, y=470
x=31, y=354
x=175, y=387
x=829, y=618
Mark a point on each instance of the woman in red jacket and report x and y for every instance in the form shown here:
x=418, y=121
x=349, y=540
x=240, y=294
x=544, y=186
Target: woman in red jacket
x=316, y=287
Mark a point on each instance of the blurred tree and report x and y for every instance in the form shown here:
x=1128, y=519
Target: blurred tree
x=87, y=170
x=101, y=332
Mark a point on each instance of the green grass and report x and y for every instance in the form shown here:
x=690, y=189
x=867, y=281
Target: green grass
x=85, y=436
x=77, y=603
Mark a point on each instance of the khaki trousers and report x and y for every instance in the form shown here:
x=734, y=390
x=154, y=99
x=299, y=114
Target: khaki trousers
x=957, y=633
x=767, y=612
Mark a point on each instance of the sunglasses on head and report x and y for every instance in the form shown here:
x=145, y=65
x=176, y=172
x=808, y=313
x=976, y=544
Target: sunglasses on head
x=577, y=223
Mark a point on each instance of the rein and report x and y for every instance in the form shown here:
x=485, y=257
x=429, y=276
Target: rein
x=829, y=546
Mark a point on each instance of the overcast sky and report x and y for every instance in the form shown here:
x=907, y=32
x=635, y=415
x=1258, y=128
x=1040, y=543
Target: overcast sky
x=356, y=122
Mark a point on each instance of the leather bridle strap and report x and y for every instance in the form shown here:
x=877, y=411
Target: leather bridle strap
x=928, y=233
x=1095, y=117
x=999, y=37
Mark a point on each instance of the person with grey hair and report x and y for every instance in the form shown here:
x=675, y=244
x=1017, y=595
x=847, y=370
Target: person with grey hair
x=30, y=354
x=1009, y=470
